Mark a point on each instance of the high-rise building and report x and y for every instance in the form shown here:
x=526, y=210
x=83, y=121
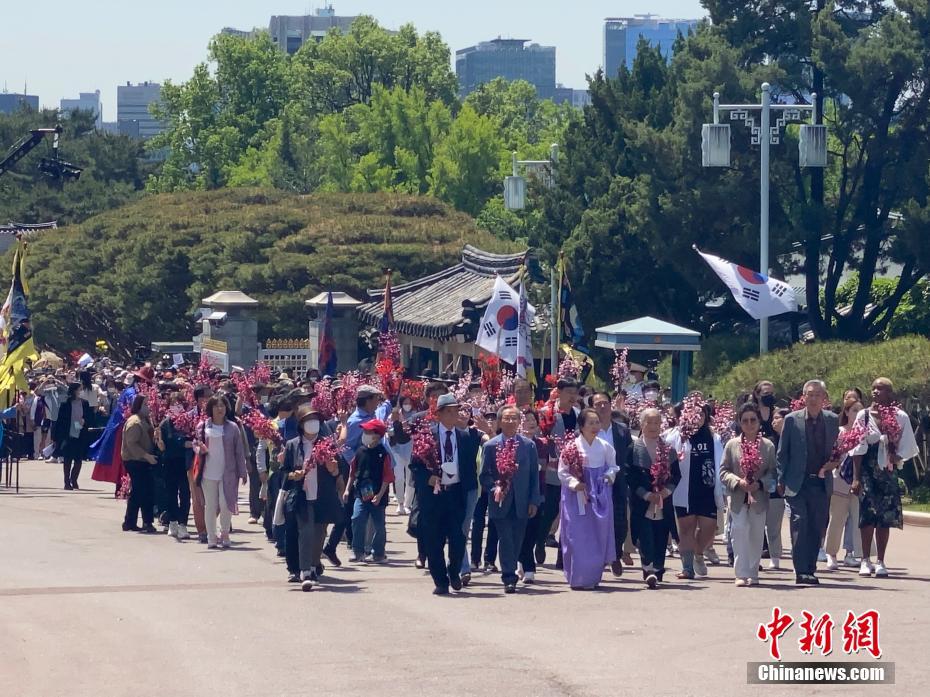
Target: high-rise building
x=622, y=34
x=133, y=117
x=510, y=59
x=86, y=101
x=10, y=102
x=290, y=33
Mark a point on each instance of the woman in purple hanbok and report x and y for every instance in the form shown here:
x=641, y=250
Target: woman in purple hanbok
x=587, y=512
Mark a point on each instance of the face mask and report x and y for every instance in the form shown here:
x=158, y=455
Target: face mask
x=312, y=427
x=768, y=400
x=650, y=395
x=370, y=439
x=408, y=408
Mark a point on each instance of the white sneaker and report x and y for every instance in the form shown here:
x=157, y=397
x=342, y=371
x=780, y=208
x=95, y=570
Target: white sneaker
x=529, y=577
x=851, y=560
x=866, y=568
x=224, y=540
x=172, y=529
x=710, y=554
x=520, y=574
x=831, y=563
x=774, y=565
x=880, y=570
x=700, y=568
x=399, y=511
x=183, y=534
x=822, y=555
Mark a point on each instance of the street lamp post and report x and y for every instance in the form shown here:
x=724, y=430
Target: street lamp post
x=515, y=200
x=812, y=149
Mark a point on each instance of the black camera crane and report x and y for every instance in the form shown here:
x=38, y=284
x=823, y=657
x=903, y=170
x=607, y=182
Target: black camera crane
x=53, y=166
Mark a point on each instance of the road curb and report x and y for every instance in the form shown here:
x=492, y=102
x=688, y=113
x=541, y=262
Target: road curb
x=916, y=518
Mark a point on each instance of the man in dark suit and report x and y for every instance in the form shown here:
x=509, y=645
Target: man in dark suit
x=618, y=435
x=441, y=494
x=804, y=467
x=512, y=500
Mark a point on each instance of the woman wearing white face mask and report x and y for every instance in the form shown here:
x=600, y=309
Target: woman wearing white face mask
x=311, y=503
x=403, y=486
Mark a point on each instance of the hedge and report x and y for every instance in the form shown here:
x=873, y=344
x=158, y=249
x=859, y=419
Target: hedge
x=841, y=365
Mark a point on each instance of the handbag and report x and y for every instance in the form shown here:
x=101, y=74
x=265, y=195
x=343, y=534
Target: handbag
x=278, y=518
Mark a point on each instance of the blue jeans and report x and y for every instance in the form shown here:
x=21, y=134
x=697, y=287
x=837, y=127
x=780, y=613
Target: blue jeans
x=362, y=511
x=471, y=500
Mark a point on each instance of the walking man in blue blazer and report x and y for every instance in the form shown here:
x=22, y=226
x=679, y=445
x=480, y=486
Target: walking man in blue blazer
x=513, y=497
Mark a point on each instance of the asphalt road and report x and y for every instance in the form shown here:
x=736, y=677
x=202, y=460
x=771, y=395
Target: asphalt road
x=86, y=609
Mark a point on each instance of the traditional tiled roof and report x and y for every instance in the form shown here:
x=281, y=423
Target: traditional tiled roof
x=24, y=229
x=432, y=307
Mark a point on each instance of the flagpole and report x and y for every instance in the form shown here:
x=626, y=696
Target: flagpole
x=554, y=328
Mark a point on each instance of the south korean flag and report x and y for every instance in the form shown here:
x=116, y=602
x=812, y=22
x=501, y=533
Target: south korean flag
x=499, y=330
x=759, y=295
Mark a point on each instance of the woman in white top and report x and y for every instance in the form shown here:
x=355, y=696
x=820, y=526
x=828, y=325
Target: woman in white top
x=843, y=505
x=587, y=513
x=222, y=465
x=875, y=477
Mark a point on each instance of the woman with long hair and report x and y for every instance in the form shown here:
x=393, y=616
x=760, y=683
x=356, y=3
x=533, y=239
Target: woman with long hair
x=222, y=465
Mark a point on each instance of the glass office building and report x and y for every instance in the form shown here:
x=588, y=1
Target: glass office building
x=622, y=34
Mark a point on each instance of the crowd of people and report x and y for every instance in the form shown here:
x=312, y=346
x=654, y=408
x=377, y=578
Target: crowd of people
x=589, y=475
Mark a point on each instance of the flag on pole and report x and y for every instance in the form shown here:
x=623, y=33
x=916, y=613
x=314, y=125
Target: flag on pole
x=759, y=295
x=525, y=367
x=569, y=321
x=499, y=331
x=327, y=361
x=15, y=334
x=387, y=319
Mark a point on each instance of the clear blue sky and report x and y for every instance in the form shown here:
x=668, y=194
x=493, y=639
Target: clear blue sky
x=62, y=47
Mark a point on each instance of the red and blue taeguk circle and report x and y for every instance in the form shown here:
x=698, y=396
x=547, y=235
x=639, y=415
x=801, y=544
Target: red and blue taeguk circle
x=751, y=276
x=508, y=318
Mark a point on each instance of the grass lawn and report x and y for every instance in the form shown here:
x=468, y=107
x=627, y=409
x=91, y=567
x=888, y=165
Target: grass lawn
x=917, y=507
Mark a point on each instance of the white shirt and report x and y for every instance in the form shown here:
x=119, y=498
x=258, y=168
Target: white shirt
x=906, y=447
x=607, y=435
x=311, y=482
x=450, y=470
x=216, y=456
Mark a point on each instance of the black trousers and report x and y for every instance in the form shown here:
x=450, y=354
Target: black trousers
x=653, y=541
x=440, y=524
x=477, y=533
x=343, y=527
x=255, y=487
x=548, y=513
x=620, y=509
x=528, y=548
x=72, y=457
x=271, y=530
x=142, y=497
x=178, y=502
x=810, y=511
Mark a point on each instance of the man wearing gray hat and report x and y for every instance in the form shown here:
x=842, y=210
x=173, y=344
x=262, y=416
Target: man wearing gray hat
x=441, y=493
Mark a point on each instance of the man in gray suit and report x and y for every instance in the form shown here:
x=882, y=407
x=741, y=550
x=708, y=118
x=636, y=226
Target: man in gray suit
x=804, y=467
x=511, y=503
